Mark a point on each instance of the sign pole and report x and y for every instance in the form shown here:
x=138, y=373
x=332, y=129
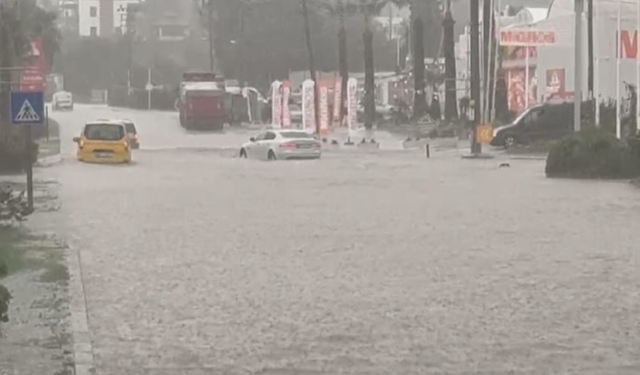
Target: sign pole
x=29, y=164
x=28, y=108
x=46, y=120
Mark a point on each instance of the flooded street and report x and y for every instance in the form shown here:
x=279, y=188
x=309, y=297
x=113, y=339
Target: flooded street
x=196, y=262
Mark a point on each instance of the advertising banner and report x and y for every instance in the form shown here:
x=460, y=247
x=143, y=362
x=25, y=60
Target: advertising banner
x=555, y=82
x=276, y=104
x=352, y=105
x=337, y=96
x=323, y=103
x=308, y=106
x=33, y=77
x=286, y=114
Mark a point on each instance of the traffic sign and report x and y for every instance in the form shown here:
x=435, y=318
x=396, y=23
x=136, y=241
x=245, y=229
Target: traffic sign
x=484, y=134
x=27, y=107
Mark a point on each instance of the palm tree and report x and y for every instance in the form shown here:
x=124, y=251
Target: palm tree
x=368, y=9
x=451, y=99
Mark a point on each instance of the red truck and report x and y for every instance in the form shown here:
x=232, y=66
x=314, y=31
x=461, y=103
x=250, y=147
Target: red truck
x=203, y=102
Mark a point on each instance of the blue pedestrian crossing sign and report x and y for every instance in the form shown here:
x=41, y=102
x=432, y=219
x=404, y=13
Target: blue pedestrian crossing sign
x=27, y=107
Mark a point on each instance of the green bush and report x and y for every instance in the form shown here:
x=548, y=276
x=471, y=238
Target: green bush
x=5, y=296
x=593, y=153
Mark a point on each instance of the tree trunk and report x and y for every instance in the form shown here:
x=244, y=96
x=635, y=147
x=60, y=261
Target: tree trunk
x=590, y=71
x=344, y=66
x=475, y=72
x=419, y=95
x=312, y=68
x=486, y=55
x=450, y=98
x=369, y=79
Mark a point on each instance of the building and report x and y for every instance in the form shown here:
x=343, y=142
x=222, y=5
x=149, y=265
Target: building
x=518, y=63
x=68, y=17
x=103, y=18
x=555, y=64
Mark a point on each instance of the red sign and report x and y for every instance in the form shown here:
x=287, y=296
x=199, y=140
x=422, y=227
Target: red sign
x=555, y=81
x=527, y=37
x=628, y=44
x=35, y=70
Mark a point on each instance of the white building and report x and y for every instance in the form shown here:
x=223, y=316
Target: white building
x=559, y=58
x=102, y=18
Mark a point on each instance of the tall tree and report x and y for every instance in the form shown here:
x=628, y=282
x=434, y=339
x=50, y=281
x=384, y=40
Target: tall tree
x=20, y=21
x=451, y=97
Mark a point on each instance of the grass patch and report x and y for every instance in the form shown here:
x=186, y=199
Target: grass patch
x=21, y=251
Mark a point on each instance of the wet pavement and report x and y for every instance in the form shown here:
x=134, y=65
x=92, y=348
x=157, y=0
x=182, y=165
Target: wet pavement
x=196, y=262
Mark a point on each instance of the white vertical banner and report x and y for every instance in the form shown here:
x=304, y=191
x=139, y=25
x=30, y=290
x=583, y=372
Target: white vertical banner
x=352, y=105
x=276, y=104
x=286, y=114
x=323, y=103
x=337, y=96
x=308, y=106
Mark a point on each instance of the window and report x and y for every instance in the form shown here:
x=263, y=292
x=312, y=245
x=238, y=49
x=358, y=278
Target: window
x=270, y=136
x=93, y=12
x=93, y=31
x=293, y=134
x=261, y=136
x=104, y=132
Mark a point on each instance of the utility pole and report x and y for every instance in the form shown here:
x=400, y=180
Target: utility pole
x=474, y=34
x=312, y=67
x=577, y=95
x=209, y=5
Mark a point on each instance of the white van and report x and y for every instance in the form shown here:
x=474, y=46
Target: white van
x=62, y=100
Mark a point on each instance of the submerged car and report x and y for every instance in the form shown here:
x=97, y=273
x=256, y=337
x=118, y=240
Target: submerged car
x=62, y=100
x=282, y=145
x=132, y=134
x=103, y=142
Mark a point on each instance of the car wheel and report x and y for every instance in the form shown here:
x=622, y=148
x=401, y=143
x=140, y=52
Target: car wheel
x=243, y=153
x=271, y=155
x=509, y=141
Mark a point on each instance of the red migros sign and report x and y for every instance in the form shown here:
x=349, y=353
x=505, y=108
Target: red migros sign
x=527, y=37
x=628, y=44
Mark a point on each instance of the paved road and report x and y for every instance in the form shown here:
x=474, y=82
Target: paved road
x=197, y=263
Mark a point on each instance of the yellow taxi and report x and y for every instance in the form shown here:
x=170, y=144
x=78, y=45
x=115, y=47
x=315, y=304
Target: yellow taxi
x=103, y=141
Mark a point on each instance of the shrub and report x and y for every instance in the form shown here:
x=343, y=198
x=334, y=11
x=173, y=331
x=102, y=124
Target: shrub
x=593, y=153
x=13, y=206
x=5, y=296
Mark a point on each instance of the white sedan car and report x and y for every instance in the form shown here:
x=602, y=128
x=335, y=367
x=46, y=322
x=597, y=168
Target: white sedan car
x=282, y=145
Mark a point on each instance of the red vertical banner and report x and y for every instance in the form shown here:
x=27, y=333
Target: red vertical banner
x=33, y=77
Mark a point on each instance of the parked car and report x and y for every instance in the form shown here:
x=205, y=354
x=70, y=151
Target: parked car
x=62, y=100
x=103, y=142
x=282, y=145
x=132, y=134
x=543, y=122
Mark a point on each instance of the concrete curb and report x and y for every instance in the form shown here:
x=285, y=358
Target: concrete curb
x=49, y=160
x=82, y=345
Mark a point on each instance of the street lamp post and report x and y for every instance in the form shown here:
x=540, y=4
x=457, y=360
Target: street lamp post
x=577, y=95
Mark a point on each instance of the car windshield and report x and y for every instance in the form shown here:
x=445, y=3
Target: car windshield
x=131, y=128
x=104, y=132
x=297, y=135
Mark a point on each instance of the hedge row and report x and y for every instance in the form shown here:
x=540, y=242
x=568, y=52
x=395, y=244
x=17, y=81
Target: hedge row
x=596, y=154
